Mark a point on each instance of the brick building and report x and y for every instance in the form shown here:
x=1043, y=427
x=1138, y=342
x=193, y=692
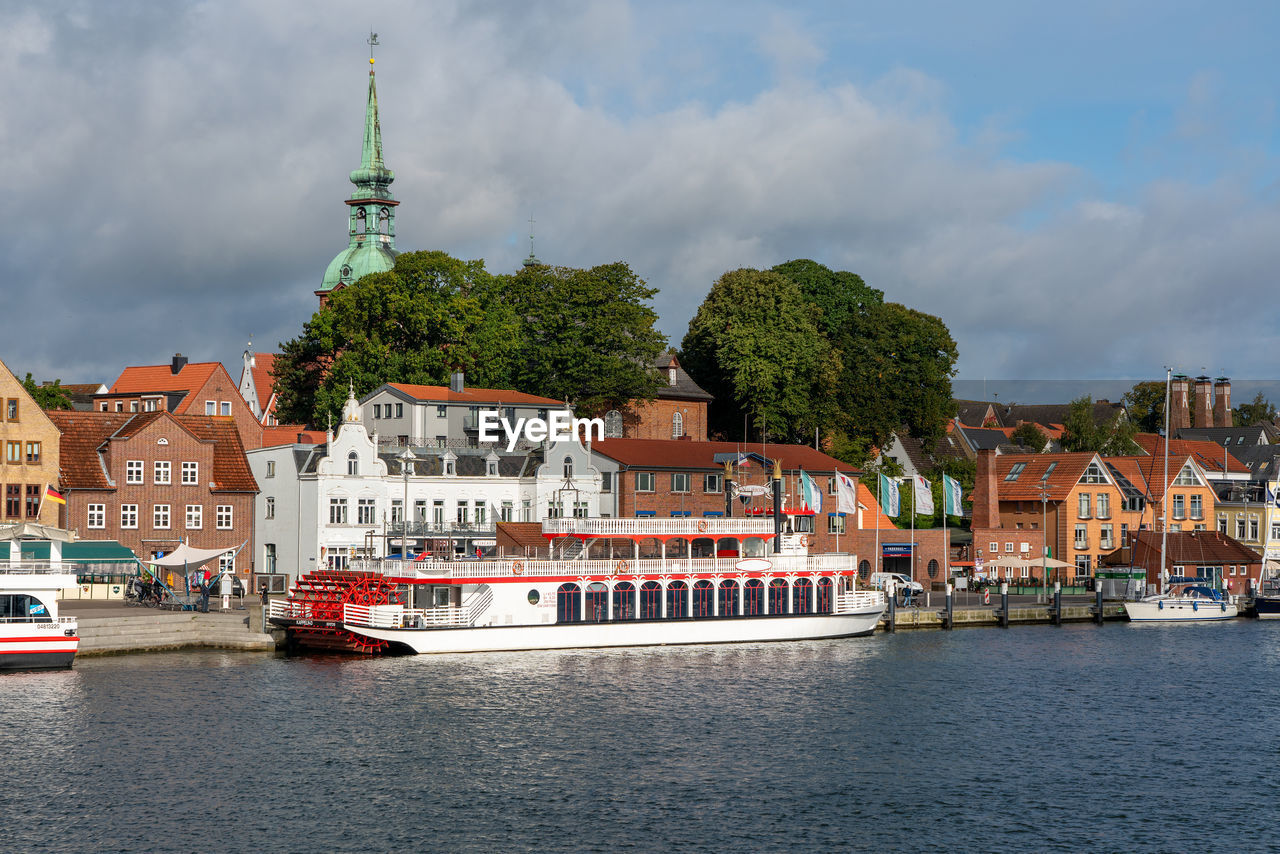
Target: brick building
x=31, y=443
x=152, y=479
x=183, y=388
x=1206, y=554
x=679, y=411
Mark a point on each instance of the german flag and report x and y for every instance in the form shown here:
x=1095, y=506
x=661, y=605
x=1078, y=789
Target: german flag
x=54, y=495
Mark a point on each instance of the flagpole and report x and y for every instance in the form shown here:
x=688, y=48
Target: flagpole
x=913, y=528
x=880, y=511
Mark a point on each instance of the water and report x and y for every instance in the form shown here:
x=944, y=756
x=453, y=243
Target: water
x=1121, y=738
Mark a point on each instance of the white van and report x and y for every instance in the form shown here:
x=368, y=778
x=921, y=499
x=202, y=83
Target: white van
x=901, y=583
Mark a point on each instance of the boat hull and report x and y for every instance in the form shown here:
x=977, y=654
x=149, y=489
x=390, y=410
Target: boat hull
x=625, y=633
x=30, y=651
x=1174, y=611
x=1267, y=607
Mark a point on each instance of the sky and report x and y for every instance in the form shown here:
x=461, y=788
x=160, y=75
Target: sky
x=1082, y=192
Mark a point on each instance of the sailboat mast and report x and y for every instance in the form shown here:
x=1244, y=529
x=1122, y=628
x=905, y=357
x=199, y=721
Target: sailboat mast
x=1164, y=510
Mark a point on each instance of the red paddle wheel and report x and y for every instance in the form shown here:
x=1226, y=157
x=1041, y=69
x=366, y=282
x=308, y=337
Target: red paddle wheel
x=317, y=599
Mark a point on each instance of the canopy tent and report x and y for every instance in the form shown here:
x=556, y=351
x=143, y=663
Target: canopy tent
x=82, y=551
x=186, y=557
x=34, y=531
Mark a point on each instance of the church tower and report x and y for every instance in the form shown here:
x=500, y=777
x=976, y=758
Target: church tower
x=372, y=229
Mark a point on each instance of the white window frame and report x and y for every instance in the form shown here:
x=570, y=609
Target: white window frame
x=160, y=516
x=681, y=482
x=337, y=511
x=269, y=508
x=366, y=511
x=645, y=481
x=133, y=471
x=96, y=516
x=190, y=474
x=162, y=472
x=129, y=517
x=195, y=517
x=226, y=407
x=210, y=407
x=713, y=484
x=224, y=518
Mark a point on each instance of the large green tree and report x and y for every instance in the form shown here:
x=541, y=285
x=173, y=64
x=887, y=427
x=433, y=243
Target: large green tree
x=51, y=396
x=1257, y=412
x=430, y=314
x=586, y=336
x=1029, y=436
x=896, y=362
x=755, y=345
x=1145, y=405
x=1084, y=433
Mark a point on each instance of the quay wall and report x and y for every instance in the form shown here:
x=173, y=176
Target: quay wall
x=150, y=630
x=931, y=618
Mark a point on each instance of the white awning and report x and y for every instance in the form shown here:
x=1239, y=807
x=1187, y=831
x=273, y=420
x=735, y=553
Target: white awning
x=35, y=531
x=185, y=556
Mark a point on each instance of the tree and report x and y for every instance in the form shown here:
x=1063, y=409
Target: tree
x=1084, y=433
x=427, y=316
x=587, y=336
x=1145, y=405
x=754, y=345
x=1257, y=412
x=51, y=396
x=897, y=363
x=1029, y=436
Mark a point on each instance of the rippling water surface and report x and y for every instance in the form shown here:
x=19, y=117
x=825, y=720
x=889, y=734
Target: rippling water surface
x=1121, y=738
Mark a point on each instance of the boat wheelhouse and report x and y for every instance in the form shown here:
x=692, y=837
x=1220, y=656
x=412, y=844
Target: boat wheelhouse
x=32, y=634
x=754, y=584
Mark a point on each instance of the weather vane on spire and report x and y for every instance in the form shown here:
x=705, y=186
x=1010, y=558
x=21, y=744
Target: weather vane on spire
x=530, y=235
x=373, y=42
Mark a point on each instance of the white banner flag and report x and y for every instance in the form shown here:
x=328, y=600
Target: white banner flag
x=923, y=496
x=846, y=493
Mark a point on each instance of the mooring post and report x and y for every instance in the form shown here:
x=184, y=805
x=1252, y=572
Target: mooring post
x=891, y=625
x=1057, y=603
x=1004, y=604
x=1097, y=602
x=949, y=618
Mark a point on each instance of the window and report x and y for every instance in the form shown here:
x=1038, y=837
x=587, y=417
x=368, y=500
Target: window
x=448, y=465
x=713, y=483
x=1124, y=534
x=1239, y=527
x=1093, y=474
x=365, y=510
x=223, y=518
x=133, y=406
x=1083, y=562
x=437, y=512
x=505, y=512
x=1187, y=477
x=1053, y=465
x=680, y=481
x=993, y=548
x=128, y=515
x=1275, y=530
x=1084, y=506
x=1197, y=507
x=442, y=412
x=163, y=473
x=353, y=463
x=606, y=481
x=644, y=481
x=399, y=410
x=210, y=407
x=12, y=500
x=271, y=468
x=526, y=509
x=33, y=453
x=227, y=563
x=1105, y=539
x=226, y=407
x=554, y=509
x=337, y=511
x=835, y=524
x=33, y=501
x=1104, y=505
x=568, y=468
x=613, y=424
x=195, y=517
x=11, y=410
x=492, y=468
x=397, y=510
x=269, y=508
x=160, y=517
x=1179, y=506
x=1008, y=548
x=1253, y=529
x=133, y=471
x=1082, y=537
x=580, y=509
x=13, y=452
x=119, y=406
x=460, y=513
x=1222, y=523
x=677, y=426
x=482, y=513
x=1015, y=472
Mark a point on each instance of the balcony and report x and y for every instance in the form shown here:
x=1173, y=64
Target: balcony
x=448, y=529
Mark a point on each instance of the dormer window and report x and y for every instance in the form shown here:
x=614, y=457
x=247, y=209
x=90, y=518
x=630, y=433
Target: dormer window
x=1015, y=472
x=671, y=375
x=353, y=463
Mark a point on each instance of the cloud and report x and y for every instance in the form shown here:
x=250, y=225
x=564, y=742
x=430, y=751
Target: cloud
x=177, y=182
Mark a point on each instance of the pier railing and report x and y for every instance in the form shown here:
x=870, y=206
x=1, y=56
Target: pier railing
x=507, y=567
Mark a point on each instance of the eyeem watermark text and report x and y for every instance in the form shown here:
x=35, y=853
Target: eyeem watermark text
x=560, y=427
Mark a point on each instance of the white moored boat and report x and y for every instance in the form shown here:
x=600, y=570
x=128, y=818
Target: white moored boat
x=571, y=602
x=32, y=634
x=1191, y=602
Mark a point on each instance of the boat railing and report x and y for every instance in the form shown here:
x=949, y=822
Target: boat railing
x=70, y=622
x=41, y=567
x=649, y=527
x=399, y=617
x=858, y=600
x=519, y=567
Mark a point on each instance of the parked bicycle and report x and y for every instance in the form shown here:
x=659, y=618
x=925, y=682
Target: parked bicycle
x=141, y=592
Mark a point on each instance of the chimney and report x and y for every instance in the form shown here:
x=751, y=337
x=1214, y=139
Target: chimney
x=457, y=381
x=179, y=362
x=1204, y=403
x=1179, y=411
x=1222, y=403
x=986, y=495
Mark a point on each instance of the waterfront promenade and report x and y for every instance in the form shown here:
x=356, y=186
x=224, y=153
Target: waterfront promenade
x=109, y=627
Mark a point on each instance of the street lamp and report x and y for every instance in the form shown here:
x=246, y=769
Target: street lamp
x=406, y=459
x=1044, y=540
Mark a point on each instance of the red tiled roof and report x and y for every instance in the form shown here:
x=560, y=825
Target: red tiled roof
x=1151, y=471
x=230, y=466
x=289, y=434
x=472, y=395
x=161, y=378
x=876, y=517
x=1208, y=454
x=1064, y=477
x=263, y=378
x=1196, y=548
x=684, y=454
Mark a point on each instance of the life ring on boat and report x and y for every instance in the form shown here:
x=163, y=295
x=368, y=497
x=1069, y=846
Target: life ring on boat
x=804, y=540
x=517, y=567
x=621, y=567
x=702, y=526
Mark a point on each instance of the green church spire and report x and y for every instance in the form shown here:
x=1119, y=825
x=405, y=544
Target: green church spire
x=371, y=232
